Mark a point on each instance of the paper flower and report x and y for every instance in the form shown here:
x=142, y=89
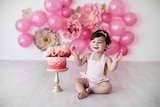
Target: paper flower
x=72, y=29
x=46, y=38
x=90, y=15
x=27, y=13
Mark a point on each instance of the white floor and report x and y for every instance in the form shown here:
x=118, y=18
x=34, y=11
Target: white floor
x=28, y=84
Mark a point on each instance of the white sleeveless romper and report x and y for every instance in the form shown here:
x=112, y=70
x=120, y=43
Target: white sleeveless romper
x=95, y=71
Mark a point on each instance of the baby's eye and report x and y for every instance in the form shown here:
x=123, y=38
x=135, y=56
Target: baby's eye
x=93, y=41
x=100, y=42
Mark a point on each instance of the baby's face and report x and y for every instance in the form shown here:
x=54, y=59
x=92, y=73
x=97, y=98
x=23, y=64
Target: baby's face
x=98, y=44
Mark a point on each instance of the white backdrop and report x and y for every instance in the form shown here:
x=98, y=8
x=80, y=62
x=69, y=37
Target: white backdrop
x=144, y=48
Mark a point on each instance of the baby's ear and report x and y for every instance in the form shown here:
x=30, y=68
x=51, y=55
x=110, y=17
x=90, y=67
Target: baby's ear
x=106, y=47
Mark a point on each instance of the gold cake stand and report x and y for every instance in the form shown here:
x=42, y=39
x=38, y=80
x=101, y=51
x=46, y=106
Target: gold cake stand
x=57, y=87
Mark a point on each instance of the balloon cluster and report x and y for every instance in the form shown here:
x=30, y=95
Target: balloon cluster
x=114, y=19
x=40, y=18
x=117, y=27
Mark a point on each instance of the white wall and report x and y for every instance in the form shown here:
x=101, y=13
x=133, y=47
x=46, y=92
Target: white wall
x=144, y=48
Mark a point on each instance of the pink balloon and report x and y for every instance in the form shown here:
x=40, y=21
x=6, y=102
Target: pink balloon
x=66, y=12
x=86, y=33
x=38, y=18
x=116, y=7
x=66, y=2
x=106, y=17
x=117, y=27
x=23, y=25
x=25, y=39
x=87, y=42
x=127, y=38
x=129, y=18
x=79, y=44
x=55, y=22
x=123, y=49
x=113, y=48
x=52, y=6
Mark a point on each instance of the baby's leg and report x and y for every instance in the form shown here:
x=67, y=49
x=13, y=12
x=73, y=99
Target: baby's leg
x=102, y=88
x=81, y=84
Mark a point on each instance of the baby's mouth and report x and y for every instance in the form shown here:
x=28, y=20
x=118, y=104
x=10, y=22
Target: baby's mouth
x=96, y=47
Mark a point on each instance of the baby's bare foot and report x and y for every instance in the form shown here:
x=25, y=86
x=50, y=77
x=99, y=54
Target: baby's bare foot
x=88, y=90
x=82, y=95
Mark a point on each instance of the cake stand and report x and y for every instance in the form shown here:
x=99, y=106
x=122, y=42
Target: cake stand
x=57, y=87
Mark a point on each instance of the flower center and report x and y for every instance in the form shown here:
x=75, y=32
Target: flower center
x=45, y=39
x=91, y=16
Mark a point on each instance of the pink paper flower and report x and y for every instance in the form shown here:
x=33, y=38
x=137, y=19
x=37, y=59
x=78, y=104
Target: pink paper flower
x=90, y=15
x=72, y=29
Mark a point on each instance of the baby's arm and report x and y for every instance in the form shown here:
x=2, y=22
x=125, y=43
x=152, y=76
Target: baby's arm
x=79, y=61
x=112, y=64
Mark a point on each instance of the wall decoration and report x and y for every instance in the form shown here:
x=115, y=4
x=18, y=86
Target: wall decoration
x=76, y=25
x=45, y=38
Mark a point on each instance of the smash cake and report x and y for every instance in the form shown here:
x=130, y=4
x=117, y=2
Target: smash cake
x=56, y=56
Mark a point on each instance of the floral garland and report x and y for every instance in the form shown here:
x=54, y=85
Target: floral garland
x=88, y=16
x=77, y=25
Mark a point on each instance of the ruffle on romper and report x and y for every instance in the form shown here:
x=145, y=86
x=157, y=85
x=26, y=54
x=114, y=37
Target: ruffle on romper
x=93, y=82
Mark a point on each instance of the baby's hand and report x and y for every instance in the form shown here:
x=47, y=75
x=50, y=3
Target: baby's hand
x=74, y=51
x=118, y=57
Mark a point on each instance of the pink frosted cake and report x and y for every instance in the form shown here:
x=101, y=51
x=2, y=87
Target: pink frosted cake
x=56, y=63
x=56, y=56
